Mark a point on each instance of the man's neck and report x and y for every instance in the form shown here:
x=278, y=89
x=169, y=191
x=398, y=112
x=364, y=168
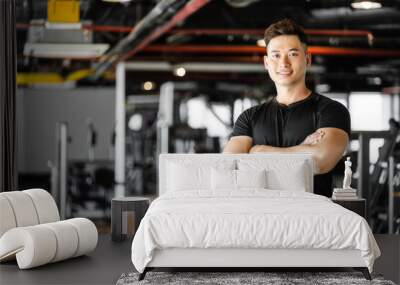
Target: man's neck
x=288, y=95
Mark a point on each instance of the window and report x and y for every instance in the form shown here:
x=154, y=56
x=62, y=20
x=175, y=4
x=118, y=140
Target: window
x=200, y=116
x=369, y=112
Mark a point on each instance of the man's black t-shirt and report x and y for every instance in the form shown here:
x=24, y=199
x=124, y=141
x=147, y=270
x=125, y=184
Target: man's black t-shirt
x=279, y=125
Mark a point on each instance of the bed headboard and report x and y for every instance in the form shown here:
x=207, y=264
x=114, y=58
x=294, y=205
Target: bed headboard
x=286, y=169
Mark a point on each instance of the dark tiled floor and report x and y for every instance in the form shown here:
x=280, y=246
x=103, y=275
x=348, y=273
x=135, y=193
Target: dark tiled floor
x=103, y=266
x=110, y=260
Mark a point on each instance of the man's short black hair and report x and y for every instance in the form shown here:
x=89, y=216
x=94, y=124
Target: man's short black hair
x=284, y=27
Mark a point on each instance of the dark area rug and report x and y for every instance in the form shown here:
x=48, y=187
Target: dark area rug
x=242, y=278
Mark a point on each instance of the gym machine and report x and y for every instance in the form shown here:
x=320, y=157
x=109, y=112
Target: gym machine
x=81, y=187
x=139, y=126
x=381, y=187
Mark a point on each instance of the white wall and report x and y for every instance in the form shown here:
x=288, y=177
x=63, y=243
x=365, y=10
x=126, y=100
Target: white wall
x=38, y=111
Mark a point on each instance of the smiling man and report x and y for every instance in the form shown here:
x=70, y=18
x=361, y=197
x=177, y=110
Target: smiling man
x=297, y=119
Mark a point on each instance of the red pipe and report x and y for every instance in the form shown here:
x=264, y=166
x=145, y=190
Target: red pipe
x=316, y=50
x=23, y=26
x=181, y=15
x=196, y=58
x=217, y=31
x=392, y=90
x=343, y=33
x=205, y=49
x=261, y=32
x=127, y=29
x=117, y=29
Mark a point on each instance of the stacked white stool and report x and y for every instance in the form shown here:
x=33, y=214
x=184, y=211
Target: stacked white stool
x=31, y=230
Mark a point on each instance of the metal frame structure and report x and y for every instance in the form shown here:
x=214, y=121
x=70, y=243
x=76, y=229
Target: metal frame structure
x=164, y=121
x=119, y=162
x=59, y=170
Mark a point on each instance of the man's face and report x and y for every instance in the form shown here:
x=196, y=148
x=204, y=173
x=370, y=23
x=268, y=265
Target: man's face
x=286, y=60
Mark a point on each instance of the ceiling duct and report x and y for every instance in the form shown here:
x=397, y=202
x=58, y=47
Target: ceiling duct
x=165, y=15
x=240, y=3
x=324, y=18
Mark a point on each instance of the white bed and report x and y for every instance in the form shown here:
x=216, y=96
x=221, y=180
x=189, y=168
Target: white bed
x=240, y=211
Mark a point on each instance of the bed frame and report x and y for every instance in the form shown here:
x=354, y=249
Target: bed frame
x=240, y=259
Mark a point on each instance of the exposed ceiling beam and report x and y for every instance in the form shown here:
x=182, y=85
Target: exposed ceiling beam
x=315, y=50
x=209, y=67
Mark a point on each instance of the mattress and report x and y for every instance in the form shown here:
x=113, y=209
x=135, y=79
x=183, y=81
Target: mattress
x=250, y=219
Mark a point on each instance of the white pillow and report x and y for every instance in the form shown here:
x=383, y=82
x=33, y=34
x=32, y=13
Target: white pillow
x=291, y=174
x=292, y=180
x=223, y=179
x=182, y=177
x=251, y=178
x=193, y=174
x=236, y=179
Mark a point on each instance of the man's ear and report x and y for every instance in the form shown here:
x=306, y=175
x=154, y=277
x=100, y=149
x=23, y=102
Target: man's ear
x=308, y=58
x=265, y=62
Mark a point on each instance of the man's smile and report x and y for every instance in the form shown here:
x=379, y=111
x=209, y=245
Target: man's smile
x=285, y=73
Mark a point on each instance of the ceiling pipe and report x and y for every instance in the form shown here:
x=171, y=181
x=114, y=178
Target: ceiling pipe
x=318, y=32
x=105, y=28
x=168, y=11
x=217, y=58
x=315, y=50
x=188, y=10
x=198, y=32
x=346, y=16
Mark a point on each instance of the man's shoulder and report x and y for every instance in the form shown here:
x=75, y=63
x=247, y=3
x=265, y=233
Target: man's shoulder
x=325, y=102
x=323, y=99
x=257, y=108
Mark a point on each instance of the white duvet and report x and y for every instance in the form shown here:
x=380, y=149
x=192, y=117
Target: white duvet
x=250, y=219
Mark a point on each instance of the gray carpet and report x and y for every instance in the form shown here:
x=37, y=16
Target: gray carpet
x=242, y=278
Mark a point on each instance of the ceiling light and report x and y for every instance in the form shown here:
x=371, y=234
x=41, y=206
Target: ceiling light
x=148, y=85
x=180, y=71
x=366, y=5
x=374, y=80
x=135, y=122
x=261, y=43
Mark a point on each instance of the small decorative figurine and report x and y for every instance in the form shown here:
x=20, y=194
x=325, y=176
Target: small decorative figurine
x=347, y=174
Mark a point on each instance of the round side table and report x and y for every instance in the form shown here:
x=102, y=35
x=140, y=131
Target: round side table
x=126, y=214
